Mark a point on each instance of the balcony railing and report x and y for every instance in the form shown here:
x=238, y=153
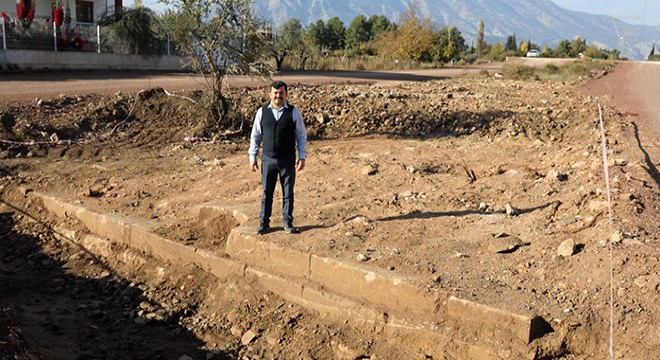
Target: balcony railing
x=81, y=36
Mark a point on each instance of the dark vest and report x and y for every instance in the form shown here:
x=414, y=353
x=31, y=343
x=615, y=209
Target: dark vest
x=279, y=136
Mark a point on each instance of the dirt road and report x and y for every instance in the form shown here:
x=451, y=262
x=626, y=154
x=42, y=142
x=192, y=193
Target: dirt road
x=23, y=88
x=634, y=87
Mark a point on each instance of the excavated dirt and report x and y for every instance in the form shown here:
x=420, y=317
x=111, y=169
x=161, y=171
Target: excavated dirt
x=475, y=186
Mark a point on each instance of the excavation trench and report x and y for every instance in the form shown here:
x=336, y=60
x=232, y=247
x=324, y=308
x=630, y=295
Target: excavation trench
x=335, y=289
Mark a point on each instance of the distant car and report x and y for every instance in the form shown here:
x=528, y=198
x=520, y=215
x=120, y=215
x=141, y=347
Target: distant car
x=533, y=53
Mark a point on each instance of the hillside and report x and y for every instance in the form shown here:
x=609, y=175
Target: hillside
x=542, y=21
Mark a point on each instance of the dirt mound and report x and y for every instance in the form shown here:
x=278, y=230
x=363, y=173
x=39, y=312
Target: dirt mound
x=151, y=118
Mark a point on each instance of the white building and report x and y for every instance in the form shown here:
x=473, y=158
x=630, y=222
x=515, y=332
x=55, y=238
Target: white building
x=83, y=12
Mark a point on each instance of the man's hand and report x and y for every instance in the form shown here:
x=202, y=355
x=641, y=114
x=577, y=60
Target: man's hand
x=301, y=164
x=254, y=165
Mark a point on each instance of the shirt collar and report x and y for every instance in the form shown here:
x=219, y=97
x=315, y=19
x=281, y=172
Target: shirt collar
x=286, y=106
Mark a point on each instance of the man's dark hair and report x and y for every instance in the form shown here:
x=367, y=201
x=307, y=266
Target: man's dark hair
x=278, y=84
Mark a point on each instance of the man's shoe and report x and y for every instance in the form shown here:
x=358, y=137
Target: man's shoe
x=262, y=228
x=289, y=229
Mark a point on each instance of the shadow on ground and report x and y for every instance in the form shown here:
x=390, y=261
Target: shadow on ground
x=63, y=315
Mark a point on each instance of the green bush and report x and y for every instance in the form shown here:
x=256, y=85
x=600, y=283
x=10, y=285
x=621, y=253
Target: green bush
x=573, y=71
x=551, y=69
x=471, y=58
x=579, y=68
x=654, y=57
x=516, y=71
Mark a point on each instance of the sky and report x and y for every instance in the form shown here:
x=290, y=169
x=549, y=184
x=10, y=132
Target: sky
x=637, y=12
x=631, y=11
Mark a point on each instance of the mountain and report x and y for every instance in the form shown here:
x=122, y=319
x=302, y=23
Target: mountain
x=542, y=21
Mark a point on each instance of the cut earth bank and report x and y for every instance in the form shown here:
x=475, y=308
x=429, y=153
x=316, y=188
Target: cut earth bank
x=482, y=189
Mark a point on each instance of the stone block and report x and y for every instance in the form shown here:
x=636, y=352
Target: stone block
x=395, y=294
x=266, y=255
x=490, y=322
x=287, y=289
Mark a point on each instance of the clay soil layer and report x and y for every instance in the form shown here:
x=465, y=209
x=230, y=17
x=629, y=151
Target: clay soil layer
x=489, y=190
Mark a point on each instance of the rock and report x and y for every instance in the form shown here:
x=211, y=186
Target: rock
x=483, y=207
x=248, y=337
x=343, y=352
x=617, y=237
x=503, y=243
x=510, y=210
x=617, y=162
x=236, y=331
x=632, y=242
x=322, y=118
x=568, y=221
x=369, y=170
x=232, y=316
x=185, y=357
x=363, y=257
x=589, y=221
x=358, y=220
x=24, y=190
x=597, y=206
x=556, y=175
x=566, y=248
x=652, y=282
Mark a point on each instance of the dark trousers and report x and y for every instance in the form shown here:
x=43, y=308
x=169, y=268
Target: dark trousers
x=270, y=169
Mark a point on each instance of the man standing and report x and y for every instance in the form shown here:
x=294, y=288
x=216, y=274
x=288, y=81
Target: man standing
x=281, y=127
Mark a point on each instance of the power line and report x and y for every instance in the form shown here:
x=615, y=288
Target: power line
x=644, y=13
x=599, y=17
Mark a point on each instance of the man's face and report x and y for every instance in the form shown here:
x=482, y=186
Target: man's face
x=278, y=96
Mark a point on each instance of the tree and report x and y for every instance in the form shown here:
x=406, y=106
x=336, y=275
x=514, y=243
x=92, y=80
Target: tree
x=531, y=45
x=497, y=52
x=593, y=52
x=288, y=39
x=524, y=47
x=379, y=24
x=615, y=54
x=563, y=49
x=336, y=33
x=413, y=38
x=449, y=45
x=136, y=28
x=480, y=39
x=317, y=35
x=547, y=52
x=219, y=39
x=652, y=52
x=511, y=43
x=382, y=43
x=358, y=33
x=578, y=46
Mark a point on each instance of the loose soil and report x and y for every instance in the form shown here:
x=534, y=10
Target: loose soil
x=418, y=178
